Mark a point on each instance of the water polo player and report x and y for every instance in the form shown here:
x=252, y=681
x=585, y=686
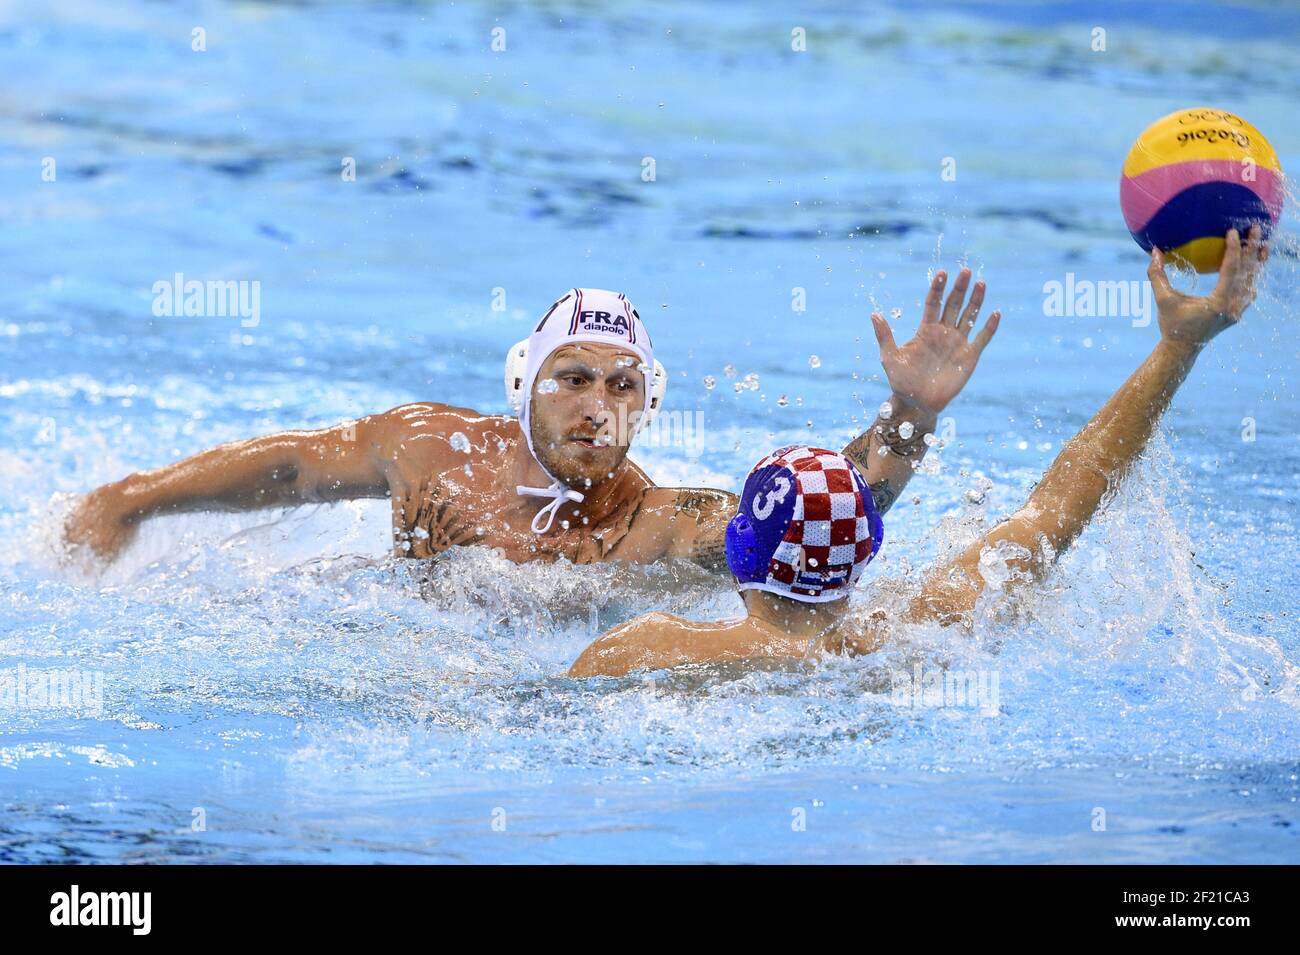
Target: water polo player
x=555, y=480
x=805, y=529
x=792, y=583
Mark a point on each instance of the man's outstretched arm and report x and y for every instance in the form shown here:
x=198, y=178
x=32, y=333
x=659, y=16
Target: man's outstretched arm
x=1099, y=456
x=278, y=470
x=657, y=641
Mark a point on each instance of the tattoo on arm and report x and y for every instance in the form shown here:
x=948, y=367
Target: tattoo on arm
x=708, y=511
x=694, y=501
x=859, y=450
x=711, y=555
x=884, y=435
x=883, y=493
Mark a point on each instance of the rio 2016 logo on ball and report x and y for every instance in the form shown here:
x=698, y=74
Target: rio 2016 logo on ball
x=1191, y=177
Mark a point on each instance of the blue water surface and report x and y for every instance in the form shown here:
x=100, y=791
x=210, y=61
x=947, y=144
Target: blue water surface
x=275, y=688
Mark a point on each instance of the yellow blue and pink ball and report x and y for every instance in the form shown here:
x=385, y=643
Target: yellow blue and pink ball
x=1193, y=175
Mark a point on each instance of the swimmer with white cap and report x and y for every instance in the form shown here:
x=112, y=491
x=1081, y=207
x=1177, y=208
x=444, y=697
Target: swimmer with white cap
x=553, y=479
x=804, y=529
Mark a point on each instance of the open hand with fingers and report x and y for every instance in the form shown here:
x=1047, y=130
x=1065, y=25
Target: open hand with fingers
x=1195, y=319
x=929, y=371
x=438, y=524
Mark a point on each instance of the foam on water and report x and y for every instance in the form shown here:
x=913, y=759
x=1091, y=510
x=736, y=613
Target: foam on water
x=478, y=644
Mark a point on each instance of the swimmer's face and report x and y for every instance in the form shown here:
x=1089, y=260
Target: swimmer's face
x=582, y=424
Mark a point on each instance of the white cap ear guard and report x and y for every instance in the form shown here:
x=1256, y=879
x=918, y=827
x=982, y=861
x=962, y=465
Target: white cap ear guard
x=517, y=369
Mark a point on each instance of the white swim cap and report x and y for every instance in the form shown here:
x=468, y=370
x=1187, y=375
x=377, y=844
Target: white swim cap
x=593, y=315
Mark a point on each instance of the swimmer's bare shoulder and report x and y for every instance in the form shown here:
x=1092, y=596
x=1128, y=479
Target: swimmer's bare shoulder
x=420, y=438
x=657, y=641
x=679, y=522
x=645, y=642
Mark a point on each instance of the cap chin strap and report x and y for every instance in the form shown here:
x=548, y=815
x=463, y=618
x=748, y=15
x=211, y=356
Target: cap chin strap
x=558, y=490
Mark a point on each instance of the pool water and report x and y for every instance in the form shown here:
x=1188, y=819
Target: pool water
x=272, y=687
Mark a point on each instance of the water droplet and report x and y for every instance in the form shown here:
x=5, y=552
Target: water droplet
x=501, y=444
x=459, y=442
x=751, y=381
x=709, y=382
x=548, y=387
x=814, y=362
x=906, y=430
x=644, y=368
x=812, y=561
x=886, y=410
x=564, y=525
x=929, y=440
x=895, y=313
x=469, y=472
x=783, y=401
x=730, y=371
x=624, y=362
x=975, y=497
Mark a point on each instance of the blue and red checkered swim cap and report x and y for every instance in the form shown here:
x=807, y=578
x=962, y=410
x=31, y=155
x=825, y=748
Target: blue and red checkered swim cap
x=807, y=526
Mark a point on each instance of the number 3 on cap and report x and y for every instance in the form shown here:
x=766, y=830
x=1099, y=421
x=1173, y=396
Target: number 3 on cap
x=780, y=488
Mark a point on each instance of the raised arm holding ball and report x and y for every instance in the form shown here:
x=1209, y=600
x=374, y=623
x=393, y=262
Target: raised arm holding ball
x=794, y=587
